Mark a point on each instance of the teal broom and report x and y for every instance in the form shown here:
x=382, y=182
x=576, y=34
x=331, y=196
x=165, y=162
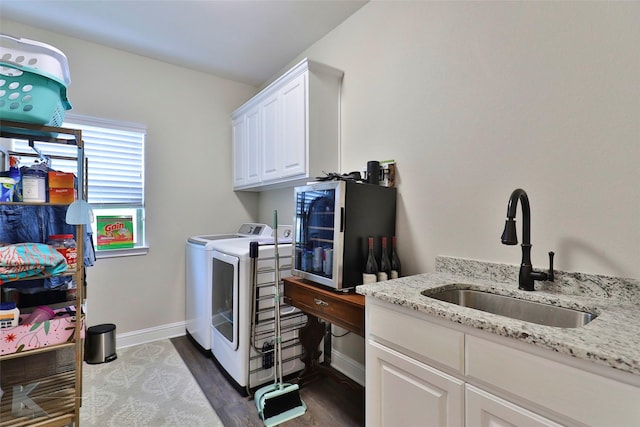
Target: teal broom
x=278, y=402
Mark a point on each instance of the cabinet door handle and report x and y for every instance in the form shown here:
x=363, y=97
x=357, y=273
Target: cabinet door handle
x=320, y=302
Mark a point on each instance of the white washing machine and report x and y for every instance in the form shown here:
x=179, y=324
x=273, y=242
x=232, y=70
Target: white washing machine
x=198, y=280
x=245, y=355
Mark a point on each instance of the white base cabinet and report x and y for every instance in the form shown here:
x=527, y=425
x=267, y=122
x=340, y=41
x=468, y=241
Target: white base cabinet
x=288, y=133
x=409, y=392
x=422, y=372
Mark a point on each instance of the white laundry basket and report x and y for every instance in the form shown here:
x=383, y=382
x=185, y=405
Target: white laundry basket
x=33, y=82
x=35, y=57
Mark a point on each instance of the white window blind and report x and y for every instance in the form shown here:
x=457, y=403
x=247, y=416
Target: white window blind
x=115, y=152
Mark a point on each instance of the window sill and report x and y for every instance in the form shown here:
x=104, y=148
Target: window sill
x=115, y=253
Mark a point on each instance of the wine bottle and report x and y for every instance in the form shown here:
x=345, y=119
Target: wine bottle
x=370, y=273
x=395, y=259
x=385, y=264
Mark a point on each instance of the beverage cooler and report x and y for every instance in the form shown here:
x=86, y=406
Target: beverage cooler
x=331, y=225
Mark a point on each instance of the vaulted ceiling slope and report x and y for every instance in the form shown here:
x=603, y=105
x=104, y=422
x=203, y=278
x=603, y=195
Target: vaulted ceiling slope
x=242, y=40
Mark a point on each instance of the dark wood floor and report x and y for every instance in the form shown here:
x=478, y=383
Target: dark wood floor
x=329, y=402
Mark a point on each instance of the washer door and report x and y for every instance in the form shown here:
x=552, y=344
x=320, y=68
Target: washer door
x=224, y=318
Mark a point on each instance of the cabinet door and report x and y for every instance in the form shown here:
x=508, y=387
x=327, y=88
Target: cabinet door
x=254, y=144
x=239, y=151
x=271, y=138
x=486, y=410
x=402, y=391
x=295, y=130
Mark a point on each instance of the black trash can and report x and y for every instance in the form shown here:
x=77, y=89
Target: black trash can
x=100, y=344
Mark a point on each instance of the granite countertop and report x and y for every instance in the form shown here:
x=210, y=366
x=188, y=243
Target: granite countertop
x=612, y=339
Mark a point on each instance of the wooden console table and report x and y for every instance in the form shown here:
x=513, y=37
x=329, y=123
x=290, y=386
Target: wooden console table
x=317, y=302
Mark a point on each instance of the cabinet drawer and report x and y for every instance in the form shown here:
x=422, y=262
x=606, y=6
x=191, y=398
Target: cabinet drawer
x=582, y=396
x=439, y=344
x=326, y=306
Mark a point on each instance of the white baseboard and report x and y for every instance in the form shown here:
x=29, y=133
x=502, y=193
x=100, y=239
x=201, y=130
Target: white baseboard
x=348, y=366
x=156, y=333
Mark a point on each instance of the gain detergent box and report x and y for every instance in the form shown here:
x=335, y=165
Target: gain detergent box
x=115, y=232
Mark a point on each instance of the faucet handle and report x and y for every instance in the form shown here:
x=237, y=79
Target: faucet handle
x=551, y=275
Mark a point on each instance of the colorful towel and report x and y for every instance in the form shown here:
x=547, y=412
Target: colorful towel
x=24, y=260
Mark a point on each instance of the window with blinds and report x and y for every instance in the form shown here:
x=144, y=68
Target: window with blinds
x=115, y=152
x=115, y=172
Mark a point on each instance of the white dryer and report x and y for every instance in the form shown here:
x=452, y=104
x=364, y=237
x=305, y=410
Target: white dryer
x=242, y=337
x=198, y=280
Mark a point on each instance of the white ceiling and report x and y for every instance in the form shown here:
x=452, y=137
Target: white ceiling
x=246, y=41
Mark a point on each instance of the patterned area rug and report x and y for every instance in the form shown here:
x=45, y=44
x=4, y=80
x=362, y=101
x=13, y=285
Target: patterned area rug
x=147, y=385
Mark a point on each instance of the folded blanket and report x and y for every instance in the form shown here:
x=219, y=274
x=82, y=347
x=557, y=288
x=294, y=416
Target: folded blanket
x=23, y=260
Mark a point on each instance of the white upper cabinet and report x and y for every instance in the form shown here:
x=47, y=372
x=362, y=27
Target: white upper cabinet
x=293, y=154
x=271, y=113
x=289, y=133
x=254, y=140
x=239, y=148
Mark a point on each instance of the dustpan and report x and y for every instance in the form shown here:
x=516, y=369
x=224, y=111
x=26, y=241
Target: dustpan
x=80, y=212
x=278, y=402
x=272, y=400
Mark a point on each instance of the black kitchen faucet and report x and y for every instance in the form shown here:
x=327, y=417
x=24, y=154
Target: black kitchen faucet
x=509, y=237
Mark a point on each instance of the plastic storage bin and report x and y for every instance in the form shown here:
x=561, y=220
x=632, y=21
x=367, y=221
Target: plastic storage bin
x=33, y=82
